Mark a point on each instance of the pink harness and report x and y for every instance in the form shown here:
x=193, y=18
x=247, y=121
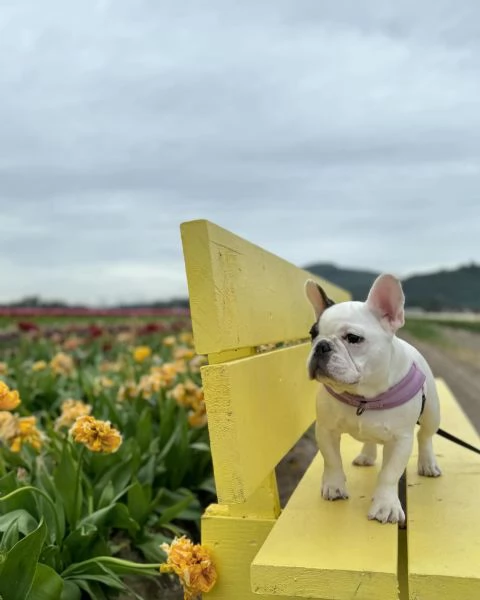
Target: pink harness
x=398, y=394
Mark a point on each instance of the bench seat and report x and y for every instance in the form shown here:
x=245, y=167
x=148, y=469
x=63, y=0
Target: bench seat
x=320, y=549
x=444, y=515
x=330, y=550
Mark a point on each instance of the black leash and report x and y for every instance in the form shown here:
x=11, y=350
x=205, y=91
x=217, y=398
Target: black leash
x=449, y=436
x=455, y=440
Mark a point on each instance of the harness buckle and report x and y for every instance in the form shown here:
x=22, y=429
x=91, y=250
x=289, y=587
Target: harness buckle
x=361, y=409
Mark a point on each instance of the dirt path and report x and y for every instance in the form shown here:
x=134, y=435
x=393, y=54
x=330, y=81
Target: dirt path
x=456, y=359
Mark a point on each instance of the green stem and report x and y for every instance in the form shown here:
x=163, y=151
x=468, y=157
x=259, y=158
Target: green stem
x=109, y=560
x=31, y=488
x=76, y=508
x=2, y=465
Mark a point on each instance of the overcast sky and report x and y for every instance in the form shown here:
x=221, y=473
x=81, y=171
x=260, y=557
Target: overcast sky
x=334, y=131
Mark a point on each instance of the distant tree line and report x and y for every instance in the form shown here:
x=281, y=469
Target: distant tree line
x=455, y=289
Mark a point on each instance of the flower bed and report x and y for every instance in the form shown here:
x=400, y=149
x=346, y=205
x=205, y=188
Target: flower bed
x=105, y=454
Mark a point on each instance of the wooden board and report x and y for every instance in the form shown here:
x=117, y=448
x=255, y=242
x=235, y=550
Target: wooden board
x=444, y=515
x=329, y=550
x=242, y=295
x=257, y=409
x=233, y=542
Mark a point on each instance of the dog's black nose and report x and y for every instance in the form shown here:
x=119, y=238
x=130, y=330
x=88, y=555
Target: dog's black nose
x=323, y=347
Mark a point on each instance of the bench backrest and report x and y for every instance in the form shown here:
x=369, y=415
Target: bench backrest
x=258, y=404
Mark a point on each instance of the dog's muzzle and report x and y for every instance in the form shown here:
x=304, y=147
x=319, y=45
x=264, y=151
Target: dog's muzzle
x=319, y=358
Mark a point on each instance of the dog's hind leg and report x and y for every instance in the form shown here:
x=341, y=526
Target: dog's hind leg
x=427, y=462
x=367, y=456
x=429, y=424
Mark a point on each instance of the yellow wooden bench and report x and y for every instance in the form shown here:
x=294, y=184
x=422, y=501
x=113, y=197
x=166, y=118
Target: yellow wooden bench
x=259, y=404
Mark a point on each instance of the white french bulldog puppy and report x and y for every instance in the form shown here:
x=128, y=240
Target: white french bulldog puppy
x=376, y=386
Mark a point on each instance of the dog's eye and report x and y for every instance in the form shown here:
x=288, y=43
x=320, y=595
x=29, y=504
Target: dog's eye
x=353, y=339
x=314, y=331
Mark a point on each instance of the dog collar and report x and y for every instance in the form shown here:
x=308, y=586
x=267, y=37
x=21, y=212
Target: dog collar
x=398, y=394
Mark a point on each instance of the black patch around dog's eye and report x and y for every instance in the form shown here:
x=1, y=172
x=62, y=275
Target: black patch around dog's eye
x=314, y=331
x=327, y=301
x=353, y=339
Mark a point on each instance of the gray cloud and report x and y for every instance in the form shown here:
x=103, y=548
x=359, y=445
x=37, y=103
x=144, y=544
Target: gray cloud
x=322, y=131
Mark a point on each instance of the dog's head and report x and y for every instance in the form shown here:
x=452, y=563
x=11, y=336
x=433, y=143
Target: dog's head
x=352, y=341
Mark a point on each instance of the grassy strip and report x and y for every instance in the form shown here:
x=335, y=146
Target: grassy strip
x=473, y=326
x=424, y=329
x=429, y=328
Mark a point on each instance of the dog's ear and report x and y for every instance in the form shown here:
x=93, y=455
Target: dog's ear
x=386, y=300
x=317, y=297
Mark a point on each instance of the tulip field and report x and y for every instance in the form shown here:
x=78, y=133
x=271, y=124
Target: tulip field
x=105, y=462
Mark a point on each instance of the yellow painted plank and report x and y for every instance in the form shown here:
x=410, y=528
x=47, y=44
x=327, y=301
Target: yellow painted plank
x=444, y=516
x=242, y=295
x=257, y=409
x=320, y=549
x=233, y=542
x=263, y=503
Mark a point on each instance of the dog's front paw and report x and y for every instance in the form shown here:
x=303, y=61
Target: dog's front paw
x=387, y=509
x=428, y=467
x=334, y=488
x=334, y=492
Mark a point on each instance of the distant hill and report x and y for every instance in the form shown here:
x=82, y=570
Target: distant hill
x=456, y=289
x=355, y=281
